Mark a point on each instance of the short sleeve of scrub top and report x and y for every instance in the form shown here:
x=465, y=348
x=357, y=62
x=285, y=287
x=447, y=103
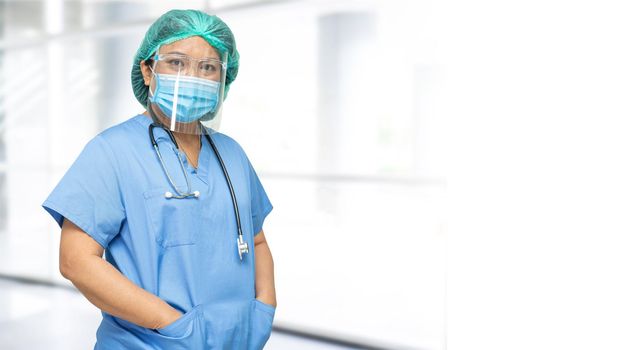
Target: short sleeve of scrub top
x=89, y=195
x=260, y=203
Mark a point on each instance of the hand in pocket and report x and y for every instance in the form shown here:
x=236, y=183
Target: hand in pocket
x=178, y=327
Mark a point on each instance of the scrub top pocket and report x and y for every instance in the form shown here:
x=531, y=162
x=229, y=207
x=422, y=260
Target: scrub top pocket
x=181, y=327
x=261, y=324
x=185, y=333
x=174, y=222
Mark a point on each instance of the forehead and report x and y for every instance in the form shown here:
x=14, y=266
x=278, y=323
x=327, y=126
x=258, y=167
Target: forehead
x=194, y=46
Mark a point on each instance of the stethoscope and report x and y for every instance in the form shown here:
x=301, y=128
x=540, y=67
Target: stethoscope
x=242, y=246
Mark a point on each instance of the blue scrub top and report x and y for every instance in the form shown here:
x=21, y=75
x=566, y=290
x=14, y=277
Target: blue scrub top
x=182, y=250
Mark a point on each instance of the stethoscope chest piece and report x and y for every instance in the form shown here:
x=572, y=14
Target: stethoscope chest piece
x=242, y=246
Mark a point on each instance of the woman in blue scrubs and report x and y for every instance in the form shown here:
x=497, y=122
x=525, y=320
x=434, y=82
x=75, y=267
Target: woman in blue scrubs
x=175, y=275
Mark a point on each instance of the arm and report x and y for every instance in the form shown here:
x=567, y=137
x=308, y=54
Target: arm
x=264, y=271
x=103, y=285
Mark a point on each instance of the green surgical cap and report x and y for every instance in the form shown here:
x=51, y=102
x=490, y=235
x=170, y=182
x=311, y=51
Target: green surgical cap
x=180, y=24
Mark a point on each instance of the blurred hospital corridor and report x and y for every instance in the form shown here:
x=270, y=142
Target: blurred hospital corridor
x=310, y=174
x=338, y=106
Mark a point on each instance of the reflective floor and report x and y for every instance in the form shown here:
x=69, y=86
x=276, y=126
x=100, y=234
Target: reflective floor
x=42, y=317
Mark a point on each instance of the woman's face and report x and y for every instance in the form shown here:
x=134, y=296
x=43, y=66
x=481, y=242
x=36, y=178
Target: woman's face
x=194, y=46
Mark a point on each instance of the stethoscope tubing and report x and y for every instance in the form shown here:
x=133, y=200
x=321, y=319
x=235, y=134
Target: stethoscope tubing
x=182, y=195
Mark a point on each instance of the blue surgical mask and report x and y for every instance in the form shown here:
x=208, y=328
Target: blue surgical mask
x=195, y=96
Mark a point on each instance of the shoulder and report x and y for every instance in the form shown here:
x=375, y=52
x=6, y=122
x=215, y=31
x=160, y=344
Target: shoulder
x=124, y=131
x=227, y=142
x=107, y=144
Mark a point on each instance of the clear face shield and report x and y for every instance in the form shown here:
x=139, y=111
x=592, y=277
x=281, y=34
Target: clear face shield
x=186, y=93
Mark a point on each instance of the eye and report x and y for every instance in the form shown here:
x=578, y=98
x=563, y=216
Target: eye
x=175, y=62
x=208, y=67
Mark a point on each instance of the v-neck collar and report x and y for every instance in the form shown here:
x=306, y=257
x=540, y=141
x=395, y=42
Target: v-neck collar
x=204, y=154
x=185, y=156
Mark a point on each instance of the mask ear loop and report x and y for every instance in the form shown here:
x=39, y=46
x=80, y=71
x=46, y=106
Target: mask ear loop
x=153, y=73
x=153, y=76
